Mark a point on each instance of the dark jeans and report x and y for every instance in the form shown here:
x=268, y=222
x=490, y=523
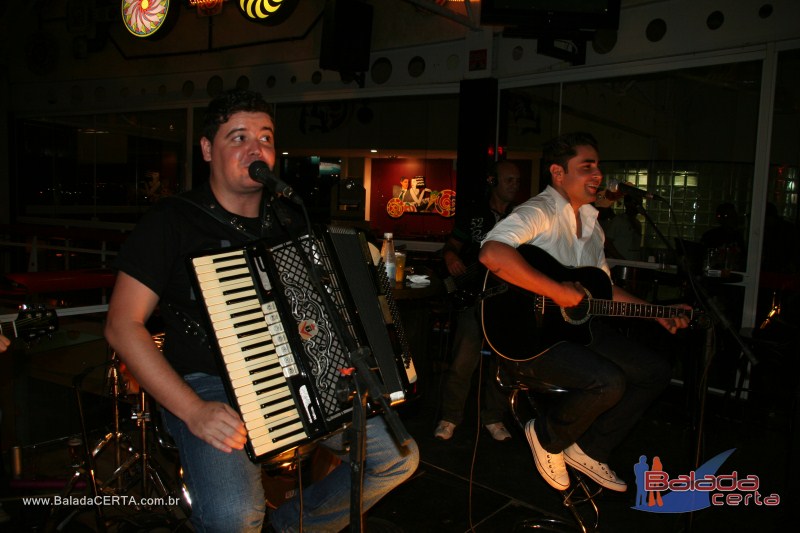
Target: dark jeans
x=228, y=495
x=467, y=344
x=610, y=383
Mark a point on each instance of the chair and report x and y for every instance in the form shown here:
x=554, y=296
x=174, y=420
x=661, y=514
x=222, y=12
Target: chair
x=523, y=396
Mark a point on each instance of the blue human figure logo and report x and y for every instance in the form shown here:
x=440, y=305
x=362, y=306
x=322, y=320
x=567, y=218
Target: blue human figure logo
x=640, y=469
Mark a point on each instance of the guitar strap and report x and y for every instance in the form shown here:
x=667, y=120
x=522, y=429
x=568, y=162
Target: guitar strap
x=203, y=200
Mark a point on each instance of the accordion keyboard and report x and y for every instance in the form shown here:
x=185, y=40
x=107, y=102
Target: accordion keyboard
x=255, y=350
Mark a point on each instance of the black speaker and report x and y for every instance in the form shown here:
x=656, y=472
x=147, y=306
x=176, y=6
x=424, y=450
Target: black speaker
x=346, y=36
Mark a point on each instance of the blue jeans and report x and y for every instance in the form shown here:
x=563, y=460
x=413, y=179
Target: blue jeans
x=226, y=490
x=467, y=344
x=611, y=382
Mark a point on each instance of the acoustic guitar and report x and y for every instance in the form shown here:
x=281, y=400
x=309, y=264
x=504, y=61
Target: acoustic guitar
x=519, y=324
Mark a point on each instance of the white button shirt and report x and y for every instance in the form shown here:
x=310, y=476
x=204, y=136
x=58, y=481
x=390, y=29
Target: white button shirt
x=547, y=221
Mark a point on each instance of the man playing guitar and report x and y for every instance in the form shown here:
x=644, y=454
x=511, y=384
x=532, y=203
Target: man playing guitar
x=612, y=379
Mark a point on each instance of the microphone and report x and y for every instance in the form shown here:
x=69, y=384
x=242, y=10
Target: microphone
x=623, y=188
x=261, y=173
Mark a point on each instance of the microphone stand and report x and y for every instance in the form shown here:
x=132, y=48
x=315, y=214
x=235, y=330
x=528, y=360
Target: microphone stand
x=364, y=381
x=718, y=317
x=366, y=384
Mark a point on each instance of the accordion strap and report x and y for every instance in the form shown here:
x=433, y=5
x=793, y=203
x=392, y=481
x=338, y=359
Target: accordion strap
x=210, y=207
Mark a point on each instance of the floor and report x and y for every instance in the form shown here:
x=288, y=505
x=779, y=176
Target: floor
x=472, y=483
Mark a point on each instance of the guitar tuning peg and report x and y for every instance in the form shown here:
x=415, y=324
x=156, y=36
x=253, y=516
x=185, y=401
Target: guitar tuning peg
x=33, y=321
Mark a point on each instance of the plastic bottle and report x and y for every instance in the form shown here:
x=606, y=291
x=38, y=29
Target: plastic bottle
x=387, y=254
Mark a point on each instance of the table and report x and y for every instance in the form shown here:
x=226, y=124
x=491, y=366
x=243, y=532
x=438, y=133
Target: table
x=408, y=291
x=417, y=305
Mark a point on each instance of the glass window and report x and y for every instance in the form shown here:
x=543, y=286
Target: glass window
x=784, y=176
x=98, y=167
x=687, y=135
x=777, y=304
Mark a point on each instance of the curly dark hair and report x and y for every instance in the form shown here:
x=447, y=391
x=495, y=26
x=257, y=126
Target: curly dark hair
x=561, y=149
x=221, y=108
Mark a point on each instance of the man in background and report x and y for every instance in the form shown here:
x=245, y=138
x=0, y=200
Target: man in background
x=460, y=255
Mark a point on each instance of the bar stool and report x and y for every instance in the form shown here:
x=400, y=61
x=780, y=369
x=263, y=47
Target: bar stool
x=526, y=398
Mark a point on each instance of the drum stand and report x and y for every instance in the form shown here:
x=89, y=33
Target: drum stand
x=138, y=476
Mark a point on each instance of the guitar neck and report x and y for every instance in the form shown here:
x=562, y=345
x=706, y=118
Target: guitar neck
x=454, y=283
x=9, y=329
x=599, y=307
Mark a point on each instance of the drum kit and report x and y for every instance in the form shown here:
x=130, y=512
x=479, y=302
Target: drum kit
x=123, y=466
x=124, y=462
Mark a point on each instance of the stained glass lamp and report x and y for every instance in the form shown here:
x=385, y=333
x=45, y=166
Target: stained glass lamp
x=143, y=18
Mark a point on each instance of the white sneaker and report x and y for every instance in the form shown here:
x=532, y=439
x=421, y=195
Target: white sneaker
x=550, y=465
x=498, y=431
x=599, y=472
x=444, y=430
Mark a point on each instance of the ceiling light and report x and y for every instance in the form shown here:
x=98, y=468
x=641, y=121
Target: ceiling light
x=207, y=8
x=267, y=11
x=143, y=18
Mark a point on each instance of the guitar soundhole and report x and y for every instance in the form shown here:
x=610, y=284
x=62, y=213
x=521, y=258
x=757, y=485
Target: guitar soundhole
x=580, y=313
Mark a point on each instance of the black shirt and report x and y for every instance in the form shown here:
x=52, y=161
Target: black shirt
x=156, y=254
x=471, y=232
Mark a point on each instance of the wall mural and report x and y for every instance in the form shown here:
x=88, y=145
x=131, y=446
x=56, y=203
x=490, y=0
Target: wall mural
x=412, y=196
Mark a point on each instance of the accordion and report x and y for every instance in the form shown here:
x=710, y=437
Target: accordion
x=281, y=353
